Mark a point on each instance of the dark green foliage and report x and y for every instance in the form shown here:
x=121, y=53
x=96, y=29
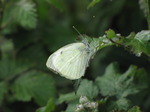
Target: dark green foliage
x=140, y=43
x=22, y=13
x=30, y=30
x=121, y=85
x=93, y=3
x=3, y=88
x=67, y=98
x=50, y=106
x=58, y=4
x=87, y=88
x=113, y=85
x=34, y=85
x=134, y=109
x=145, y=6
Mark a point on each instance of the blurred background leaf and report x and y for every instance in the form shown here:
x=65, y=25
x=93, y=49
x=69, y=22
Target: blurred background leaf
x=93, y=3
x=50, y=106
x=115, y=84
x=30, y=30
x=36, y=85
x=135, y=109
x=3, y=88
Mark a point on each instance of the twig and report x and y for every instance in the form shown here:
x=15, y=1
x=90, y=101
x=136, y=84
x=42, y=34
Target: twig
x=6, y=24
x=118, y=43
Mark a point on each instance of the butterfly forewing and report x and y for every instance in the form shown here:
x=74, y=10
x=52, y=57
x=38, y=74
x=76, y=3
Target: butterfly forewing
x=69, y=61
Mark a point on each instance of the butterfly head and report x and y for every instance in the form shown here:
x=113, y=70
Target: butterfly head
x=92, y=45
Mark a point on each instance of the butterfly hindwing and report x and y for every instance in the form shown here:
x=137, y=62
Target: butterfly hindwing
x=69, y=61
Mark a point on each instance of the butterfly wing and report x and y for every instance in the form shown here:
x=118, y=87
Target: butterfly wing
x=69, y=61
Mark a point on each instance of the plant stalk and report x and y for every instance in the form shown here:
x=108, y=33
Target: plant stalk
x=1, y=11
x=148, y=15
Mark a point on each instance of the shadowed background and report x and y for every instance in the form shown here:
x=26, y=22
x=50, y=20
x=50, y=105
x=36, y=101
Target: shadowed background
x=26, y=43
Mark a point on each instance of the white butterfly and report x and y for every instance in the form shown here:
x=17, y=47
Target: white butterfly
x=70, y=61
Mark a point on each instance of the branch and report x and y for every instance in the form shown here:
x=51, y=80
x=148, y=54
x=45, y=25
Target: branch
x=148, y=15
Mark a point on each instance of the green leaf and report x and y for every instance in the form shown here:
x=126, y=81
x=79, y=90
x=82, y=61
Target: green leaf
x=110, y=34
x=93, y=3
x=113, y=83
x=135, y=109
x=123, y=104
x=120, y=104
x=144, y=6
x=140, y=43
x=67, y=98
x=43, y=10
x=50, y=106
x=9, y=68
x=87, y=88
x=6, y=45
x=42, y=109
x=72, y=107
x=3, y=90
x=58, y=4
x=36, y=85
x=26, y=14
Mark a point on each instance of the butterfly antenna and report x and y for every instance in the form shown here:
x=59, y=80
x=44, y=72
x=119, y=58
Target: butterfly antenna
x=77, y=31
